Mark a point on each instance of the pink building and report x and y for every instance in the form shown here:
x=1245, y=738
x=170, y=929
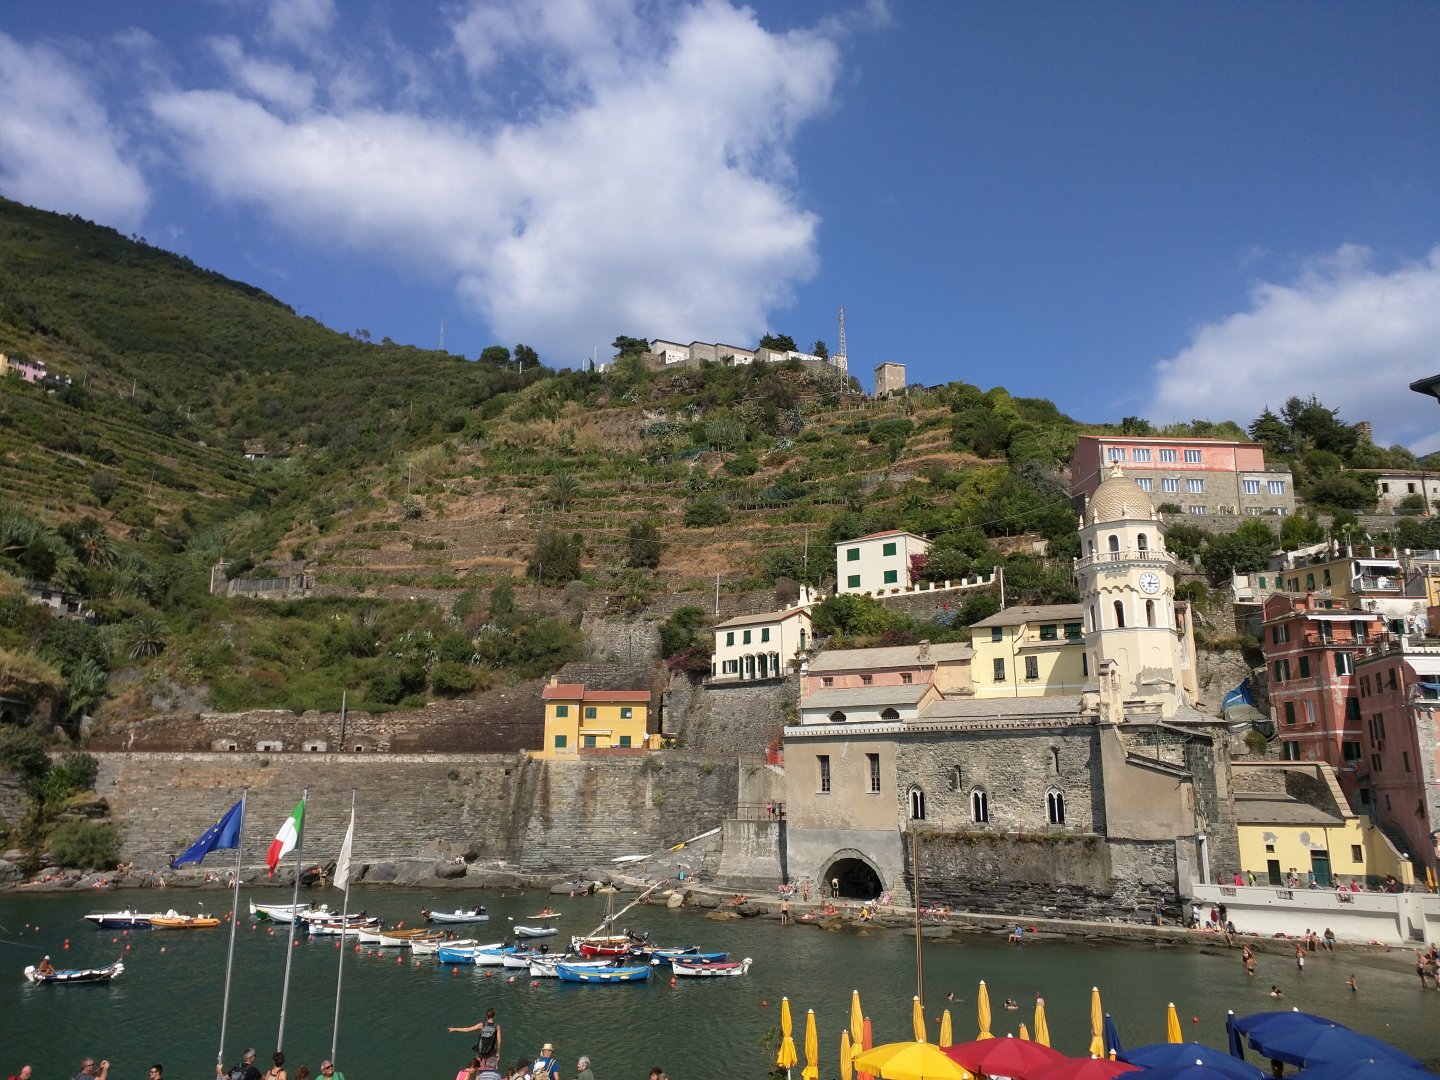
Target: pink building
x=32, y=371
x=1399, y=685
x=1311, y=651
x=946, y=666
x=1201, y=476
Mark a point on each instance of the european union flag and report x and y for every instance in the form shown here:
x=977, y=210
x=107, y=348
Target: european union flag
x=225, y=833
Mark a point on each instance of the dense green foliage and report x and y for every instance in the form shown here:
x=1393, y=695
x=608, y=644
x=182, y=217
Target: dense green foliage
x=87, y=845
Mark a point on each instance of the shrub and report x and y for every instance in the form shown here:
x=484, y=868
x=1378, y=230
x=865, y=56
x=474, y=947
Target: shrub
x=450, y=677
x=23, y=751
x=77, y=772
x=84, y=845
x=643, y=546
x=704, y=512
x=1256, y=742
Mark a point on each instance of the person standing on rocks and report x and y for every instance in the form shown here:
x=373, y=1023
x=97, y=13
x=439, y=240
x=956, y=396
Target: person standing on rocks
x=487, y=1045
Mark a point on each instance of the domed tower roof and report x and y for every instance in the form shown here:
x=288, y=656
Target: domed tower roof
x=1118, y=499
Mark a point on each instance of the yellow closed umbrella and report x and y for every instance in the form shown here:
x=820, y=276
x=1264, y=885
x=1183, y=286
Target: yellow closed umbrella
x=845, y=1055
x=1042, y=1028
x=1097, y=1024
x=1172, y=1025
x=982, y=1010
x=917, y=1019
x=947, y=1032
x=812, y=1048
x=786, y=1057
x=910, y=1061
x=857, y=1020
x=1024, y=1031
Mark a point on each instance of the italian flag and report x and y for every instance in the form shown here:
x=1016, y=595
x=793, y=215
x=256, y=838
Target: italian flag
x=285, y=839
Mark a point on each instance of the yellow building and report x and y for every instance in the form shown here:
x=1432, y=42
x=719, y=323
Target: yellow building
x=1030, y=652
x=1317, y=837
x=577, y=719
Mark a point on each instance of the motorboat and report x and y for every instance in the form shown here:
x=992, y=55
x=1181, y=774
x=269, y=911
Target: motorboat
x=286, y=913
x=173, y=920
x=668, y=956
x=120, y=920
x=456, y=953
x=534, y=931
x=75, y=975
x=432, y=946
x=464, y=915
x=710, y=968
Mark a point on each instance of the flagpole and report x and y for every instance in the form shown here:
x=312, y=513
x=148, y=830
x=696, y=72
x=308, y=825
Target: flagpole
x=295, y=917
x=344, y=920
x=234, y=920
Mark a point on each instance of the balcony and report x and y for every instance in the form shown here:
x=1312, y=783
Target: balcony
x=1150, y=555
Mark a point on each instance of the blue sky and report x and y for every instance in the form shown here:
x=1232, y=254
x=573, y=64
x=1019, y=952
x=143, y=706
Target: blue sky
x=1171, y=210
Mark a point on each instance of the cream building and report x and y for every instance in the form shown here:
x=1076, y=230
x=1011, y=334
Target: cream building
x=1127, y=594
x=760, y=646
x=1030, y=652
x=878, y=563
x=946, y=665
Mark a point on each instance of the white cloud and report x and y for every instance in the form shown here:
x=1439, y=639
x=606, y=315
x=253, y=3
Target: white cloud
x=1352, y=335
x=301, y=22
x=272, y=81
x=58, y=147
x=644, y=188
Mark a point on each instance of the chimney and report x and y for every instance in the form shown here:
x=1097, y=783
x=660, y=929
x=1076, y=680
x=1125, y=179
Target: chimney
x=554, y=680
x=923, y=654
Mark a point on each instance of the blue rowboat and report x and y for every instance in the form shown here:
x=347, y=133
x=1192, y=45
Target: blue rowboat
x=463, y=954
x=666, y=956
x=577, y=974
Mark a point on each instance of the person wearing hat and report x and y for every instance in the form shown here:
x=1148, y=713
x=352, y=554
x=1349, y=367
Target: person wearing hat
x=545, y=1065
x=45, y=967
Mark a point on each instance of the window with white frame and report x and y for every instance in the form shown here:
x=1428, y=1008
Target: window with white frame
x=1277, y=487
x=1115, y=453
x=1055, y=806
x=1146, y=484
x=1167, y=455
x=1192, y=457
x=980, y=806
x=1195, y=487
x=1252, y=487
x=1140, y=453
x=1196, y=509
x=917, y=804
x=1170, y=483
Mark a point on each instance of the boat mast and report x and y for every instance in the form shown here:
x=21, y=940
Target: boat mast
x=295, y=917
x=234, y=919
x=343, y=868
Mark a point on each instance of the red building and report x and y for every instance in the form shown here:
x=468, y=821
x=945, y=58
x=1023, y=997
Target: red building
x=1398, y=681
x=1311, y=651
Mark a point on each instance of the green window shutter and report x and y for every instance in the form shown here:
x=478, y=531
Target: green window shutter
x=891, y=577
x=888, y=549
x=852, y=555
x=853, y=581
x=560, y=742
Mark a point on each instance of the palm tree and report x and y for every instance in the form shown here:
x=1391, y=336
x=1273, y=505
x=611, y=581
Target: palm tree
x=96, y=548
x=563, y=488
x=146, y=637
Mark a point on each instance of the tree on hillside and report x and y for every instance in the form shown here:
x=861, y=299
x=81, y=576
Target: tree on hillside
x=778, y=343
x=643, y=546
x=1135, y=425
x=495, y=355
x=630, y=346
x=526, y=357
x=556, y=558
x=1298, y=531
x=1343, y=490
x=821, y=350
x=1245, y=550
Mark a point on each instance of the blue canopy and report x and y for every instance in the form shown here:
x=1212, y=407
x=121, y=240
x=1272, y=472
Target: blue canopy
x=1363, y=1070
x=1169, y=1055
x=1196, y=1070
x=1311, y=1044
x=1112, y=1035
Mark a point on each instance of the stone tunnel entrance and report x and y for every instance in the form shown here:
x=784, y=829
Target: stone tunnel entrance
x=858, y=880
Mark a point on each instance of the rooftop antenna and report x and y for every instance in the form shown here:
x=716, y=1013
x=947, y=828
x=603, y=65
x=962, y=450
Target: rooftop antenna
x=442, y=335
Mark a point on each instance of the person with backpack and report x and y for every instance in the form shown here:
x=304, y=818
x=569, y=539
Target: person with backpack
x=246, y=1070
x=487, y=1045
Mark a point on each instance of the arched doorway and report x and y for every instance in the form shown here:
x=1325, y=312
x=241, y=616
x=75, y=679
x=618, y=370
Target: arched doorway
x=858, y=879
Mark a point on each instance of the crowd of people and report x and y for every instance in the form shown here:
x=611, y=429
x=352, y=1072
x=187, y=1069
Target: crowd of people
x=484, y=1063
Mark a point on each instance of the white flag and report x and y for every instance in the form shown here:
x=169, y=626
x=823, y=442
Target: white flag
x=342, y=864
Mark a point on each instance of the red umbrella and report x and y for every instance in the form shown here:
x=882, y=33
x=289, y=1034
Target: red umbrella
x=1009, y=1056
x=1082, y=1069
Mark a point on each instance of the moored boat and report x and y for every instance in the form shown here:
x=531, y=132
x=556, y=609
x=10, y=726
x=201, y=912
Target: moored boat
x=173, y=920
x=710, y=968
x=120, y=920
x=337, y=927
x=287, y=913
x=75, y=975
x=455, y=953
x=608, y=974
x=667, y=956
x=432, y=946
x=534, y=931
x=465, y=915
x=607, y=945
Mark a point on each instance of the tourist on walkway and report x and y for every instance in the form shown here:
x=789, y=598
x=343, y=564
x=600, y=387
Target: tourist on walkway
x=246, y=1070
x=329, y=1072
x=487, y=1046
x=583, y=1070
x=545, y=1065
x=277, y=1070
x=157, y=1072
x=470, y=1070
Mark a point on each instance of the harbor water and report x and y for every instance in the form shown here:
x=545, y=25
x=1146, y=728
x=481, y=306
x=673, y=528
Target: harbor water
x=166, y=1007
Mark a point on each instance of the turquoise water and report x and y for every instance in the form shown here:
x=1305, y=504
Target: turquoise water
x=166, y=1007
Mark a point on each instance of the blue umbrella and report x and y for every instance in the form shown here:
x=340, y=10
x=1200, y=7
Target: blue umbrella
x=1232, y=1036
x=1313, y=1044
x=1166, y=1055
x=1363, y=1070
x=1195, y=1070
x=1112, y=1035
x=1285, y=1018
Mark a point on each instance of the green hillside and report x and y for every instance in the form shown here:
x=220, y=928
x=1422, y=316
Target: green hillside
x=417, y=487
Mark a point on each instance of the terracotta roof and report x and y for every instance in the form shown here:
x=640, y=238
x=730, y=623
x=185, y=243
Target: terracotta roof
x=564, y=690
x=1014, y=616
x=763, y=617
x=577, y=692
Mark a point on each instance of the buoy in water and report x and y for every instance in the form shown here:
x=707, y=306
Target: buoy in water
x=534, y=983
x=763, y=1003
x=127, y=948
x=162, y=948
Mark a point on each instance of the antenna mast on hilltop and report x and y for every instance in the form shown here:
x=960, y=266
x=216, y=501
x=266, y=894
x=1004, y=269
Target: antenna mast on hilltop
x=842, y=358
x=442, y=335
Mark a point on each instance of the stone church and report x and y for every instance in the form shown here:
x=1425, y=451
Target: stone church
x=1100, y=804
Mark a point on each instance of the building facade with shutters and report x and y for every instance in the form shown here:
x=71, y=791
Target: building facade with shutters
x=1200, y=476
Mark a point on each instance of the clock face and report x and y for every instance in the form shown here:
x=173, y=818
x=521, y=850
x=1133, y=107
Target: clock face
x=1150, y=583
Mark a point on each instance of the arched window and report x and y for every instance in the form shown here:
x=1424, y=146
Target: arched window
x=1142, y=542
x=917, y=804
x=837, y=717
x=1093, y=627
x=1055, y=759
x=953, y=778
x=980, y=806
x=889, y=714
x=1091, y=547
x=1149, y=612
x=1120, y=614
x=1114, y=542
x=1055, y=806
